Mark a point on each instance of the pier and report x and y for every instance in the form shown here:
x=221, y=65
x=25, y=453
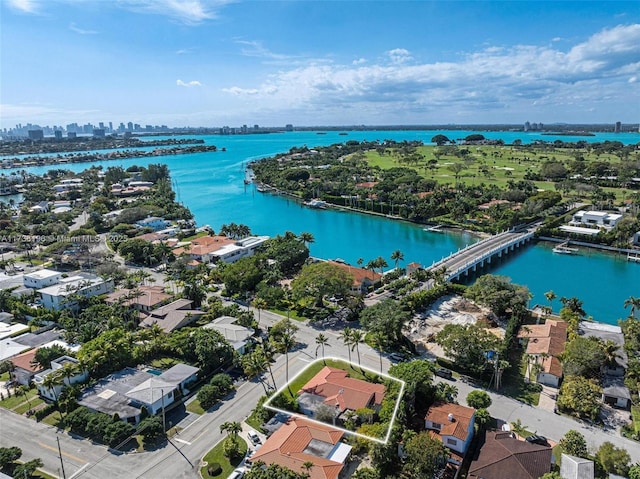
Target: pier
x=479, y=254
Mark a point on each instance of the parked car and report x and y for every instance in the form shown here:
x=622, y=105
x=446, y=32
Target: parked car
x=397, y=357
x=444, y=373
x=237, y=473
x=253, y=437
x=535, y=439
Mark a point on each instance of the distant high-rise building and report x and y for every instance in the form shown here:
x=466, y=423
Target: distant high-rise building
x=101, y=125
x=71, y=134
x=58, y=134
x=527, y=126
x=110, y=127
x=130, y=126
x=289, y=127
x=618, y=127
x=36, y=134
x=98, y=132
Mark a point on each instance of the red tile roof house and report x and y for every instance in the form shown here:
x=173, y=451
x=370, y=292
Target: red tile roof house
x=25, y=367
x=333, y=387
x=363, y=279
x=504, y=457
x=144, y=298
x=452, y=424
x=299, y=441
x=544, y=343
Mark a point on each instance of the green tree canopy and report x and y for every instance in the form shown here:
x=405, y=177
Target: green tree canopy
x=583, y=356
x=386, y=320
x=9, y=455
x=574, y=444
x=499, y=294
x=580, y=396
x=478, y=399
x=424, y=455
x=317, y=280
x=614, y=460
x=467, y=345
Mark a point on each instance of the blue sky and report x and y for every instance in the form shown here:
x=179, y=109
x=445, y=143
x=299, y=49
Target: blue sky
x=223, y=62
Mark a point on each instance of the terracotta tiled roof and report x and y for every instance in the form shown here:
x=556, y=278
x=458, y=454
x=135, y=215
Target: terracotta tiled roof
x=504, y=457
x=462, y=416
x=204, y=245
x=24, y=360
x=287, y=447
x=337, y=388
x=552, y=365
x=546, y=339
x=150, y=296
x=359, y=274
x=366, y=184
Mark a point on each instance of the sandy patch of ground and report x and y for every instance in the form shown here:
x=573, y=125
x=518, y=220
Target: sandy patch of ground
x=506, y=168
x=447, y=310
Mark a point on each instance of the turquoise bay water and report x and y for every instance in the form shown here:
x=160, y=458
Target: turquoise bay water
x=211, y=185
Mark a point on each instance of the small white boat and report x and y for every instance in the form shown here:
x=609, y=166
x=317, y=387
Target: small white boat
x=316, y=203
x=434, y=229
x=565, y=249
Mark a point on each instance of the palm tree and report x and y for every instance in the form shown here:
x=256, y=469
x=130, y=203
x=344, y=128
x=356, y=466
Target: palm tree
x=321, y=341
x=307, y=466
x=24, y=390
x=357, y=337
x=347, y=338
x=611, y=352
x=550, y=295
x=397, y=256
x=306, y=238
x=50, y=381
x=254, y=365
x=231, y=427
x=359, y=262
x=287, y=341
x=634, y=304
x=381, y=263
x=259, y=304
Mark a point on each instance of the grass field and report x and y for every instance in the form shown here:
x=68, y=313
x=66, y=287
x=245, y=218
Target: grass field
x=194, y=407
x=17, y=400
x=491, y=165
x=216, y=455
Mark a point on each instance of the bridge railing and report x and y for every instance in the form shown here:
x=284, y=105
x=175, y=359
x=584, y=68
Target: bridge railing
x=488, y=254
x=469, y=247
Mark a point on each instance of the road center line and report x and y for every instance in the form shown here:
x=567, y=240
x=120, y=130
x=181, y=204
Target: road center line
x=66, y=454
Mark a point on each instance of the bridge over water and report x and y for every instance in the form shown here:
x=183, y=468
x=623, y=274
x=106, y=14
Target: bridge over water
x=477, y=255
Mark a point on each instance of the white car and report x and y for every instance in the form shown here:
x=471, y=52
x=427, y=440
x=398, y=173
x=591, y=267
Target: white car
x=237, y=473
x=253, y=437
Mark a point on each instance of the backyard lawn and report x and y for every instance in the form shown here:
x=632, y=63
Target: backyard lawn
x=216, y=455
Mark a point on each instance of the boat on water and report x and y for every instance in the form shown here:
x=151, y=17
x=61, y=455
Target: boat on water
x=434, y=229
x=564, y=248
x=316, y=203
x=634, y=258
x=343, y=133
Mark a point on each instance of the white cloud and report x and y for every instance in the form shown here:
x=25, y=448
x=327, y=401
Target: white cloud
x=359, y=61
x=495, y=78
x=26, y=6
x=188, y=84
x=81, y=31
x=399, y=55
x=632, y=80
x=252, y=48
x=183, y=51
x=190, y=12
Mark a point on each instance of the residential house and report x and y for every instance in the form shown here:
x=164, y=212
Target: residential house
x=127, y=391
x=544, y=344
x=452, y=424
x=237, y=335
x=154, y=222
x=53, y=393
x=143, y=298
x=9, y=348
x=636, y=239
x=590, y=223
x=614, y=391
x=41, y=278
x=40, y=207
x=363, y=279
x=572, y=467
x=411, y=267
x=502, y=456
x=172, y=316
x=210, y=249
x=333, y=387
x=299, y=441
x=25, y=367
x=57, y=296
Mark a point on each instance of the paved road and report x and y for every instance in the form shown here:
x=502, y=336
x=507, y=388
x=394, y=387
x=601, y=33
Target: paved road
x=82, y=459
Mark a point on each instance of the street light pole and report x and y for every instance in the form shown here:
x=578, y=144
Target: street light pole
x=64, y=476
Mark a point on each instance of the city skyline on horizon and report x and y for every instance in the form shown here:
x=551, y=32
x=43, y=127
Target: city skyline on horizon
x=225, y=62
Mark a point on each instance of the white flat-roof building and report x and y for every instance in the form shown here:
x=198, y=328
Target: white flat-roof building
x=596, y=219
x=55, y=297
x=54, y=392
x=41, y=278
x=240, y=249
